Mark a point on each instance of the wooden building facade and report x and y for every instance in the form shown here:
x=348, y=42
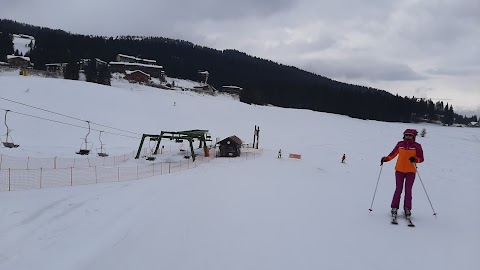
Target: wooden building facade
x=230, y=147
x=19, y=61
x=137, y=76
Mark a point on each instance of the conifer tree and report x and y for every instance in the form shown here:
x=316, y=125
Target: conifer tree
x=72, y=71
x=6, y=45
x=104, y=76
x=91, y=73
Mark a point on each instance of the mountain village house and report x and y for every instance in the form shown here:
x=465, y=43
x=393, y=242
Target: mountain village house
x=126, y=63
x=19, y=61
x=231, y=89
x=137, y=76
x=55, y=67
x=230, y=147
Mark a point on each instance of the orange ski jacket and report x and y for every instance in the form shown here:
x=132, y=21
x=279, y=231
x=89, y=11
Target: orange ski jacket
x=406, y=149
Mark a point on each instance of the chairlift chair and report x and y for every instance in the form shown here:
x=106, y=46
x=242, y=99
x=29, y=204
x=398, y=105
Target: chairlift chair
x=84, y=146
x=6, y=143
x=150, y=156
x=102, y=152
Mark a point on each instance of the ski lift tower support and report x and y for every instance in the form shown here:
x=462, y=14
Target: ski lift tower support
x=178, y=136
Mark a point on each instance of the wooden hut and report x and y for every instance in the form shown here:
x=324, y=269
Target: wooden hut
x=230, y=147
x=19, y=61
x=137, y=76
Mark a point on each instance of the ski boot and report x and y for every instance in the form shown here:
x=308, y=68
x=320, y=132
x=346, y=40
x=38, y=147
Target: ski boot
x=394, y=216
x=408, y=213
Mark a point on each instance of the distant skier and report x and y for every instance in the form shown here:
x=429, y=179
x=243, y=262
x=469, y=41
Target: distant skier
x=343, y=158
x=409, y=153
x=279, y=153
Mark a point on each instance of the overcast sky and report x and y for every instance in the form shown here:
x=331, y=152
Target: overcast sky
x=421, y=48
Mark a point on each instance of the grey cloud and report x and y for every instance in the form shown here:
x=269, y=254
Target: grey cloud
x=455, y=70
x=364, y=69
x=378, y=41
x=217, y=10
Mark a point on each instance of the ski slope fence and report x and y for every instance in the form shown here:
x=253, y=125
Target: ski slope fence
x=25, y=179
x=9, y=162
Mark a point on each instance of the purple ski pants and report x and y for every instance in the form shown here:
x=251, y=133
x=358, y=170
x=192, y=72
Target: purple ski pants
x=400, y=178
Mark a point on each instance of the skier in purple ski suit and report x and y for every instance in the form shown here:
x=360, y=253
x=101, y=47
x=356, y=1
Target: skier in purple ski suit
x=409, y=153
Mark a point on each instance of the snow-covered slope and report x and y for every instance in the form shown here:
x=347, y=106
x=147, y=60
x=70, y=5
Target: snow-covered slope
x=22, y=42
x=264, y=213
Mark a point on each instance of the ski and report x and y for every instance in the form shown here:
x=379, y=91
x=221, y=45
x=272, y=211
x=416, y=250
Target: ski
x=409, y=222
x=394, y=219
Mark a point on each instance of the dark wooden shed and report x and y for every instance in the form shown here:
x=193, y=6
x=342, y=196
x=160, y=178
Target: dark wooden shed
x=137, y=76
x=19, y=61
x=230, y=147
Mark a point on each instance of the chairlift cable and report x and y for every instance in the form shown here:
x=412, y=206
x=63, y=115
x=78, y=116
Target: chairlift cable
x=88, y=122
x=100, y=139
x=8, y=130
x=64, y=115
x=6, y=111
x=73, y=125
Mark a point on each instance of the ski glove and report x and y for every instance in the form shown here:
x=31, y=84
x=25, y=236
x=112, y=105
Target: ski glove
x=412, y=159
x=382, y=160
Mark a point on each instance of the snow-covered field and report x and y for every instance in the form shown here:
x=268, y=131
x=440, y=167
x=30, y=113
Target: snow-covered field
x=264, y=213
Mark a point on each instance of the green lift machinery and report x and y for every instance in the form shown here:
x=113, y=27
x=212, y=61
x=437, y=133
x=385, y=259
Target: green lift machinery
x=179, y=136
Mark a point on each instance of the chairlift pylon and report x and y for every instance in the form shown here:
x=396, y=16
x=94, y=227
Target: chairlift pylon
x=102, y=152
x=85, y=150
x=6, y=143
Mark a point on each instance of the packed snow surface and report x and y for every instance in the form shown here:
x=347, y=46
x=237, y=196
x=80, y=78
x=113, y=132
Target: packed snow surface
x=234, y=213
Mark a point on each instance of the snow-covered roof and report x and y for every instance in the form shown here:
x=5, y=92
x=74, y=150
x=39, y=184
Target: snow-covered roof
x=203, y=72
x=101, y=61
x=16, y=56
x=133, y=71
x=134, y=64
x=232, y=87
x=137, y=59
x=23, y=36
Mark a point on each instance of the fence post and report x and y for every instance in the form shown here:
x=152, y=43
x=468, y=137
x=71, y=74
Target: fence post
x=9, y=185
x=41, y=171
x=71, y=175
x=118, y=173
x=28, y=161
x=169, y=167
x=55, y=163
x=74, y=162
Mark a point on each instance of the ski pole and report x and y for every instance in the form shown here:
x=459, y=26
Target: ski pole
x=434, y=213
x=370, y=209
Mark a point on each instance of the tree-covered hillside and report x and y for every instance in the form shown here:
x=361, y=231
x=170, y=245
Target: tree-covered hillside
x=263, y=81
